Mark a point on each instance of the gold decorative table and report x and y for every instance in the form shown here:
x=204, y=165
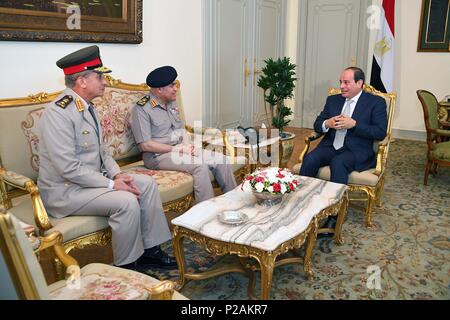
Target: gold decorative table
x=265, y=235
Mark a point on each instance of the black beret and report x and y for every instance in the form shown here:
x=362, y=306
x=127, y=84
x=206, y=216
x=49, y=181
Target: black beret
x=161, y=77
x=84, y=59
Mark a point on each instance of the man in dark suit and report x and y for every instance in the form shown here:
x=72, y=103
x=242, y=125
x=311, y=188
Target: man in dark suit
x=351, y=121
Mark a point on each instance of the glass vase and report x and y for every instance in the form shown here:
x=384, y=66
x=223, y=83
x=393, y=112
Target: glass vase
x=268, y=199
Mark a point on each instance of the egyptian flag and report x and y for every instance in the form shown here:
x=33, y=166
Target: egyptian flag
x=382, y=77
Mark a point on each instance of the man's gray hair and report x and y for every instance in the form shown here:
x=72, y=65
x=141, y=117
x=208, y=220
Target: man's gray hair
x=71, y=79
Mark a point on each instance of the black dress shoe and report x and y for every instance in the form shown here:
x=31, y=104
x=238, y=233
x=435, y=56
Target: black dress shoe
x=331, y=222
x=129, y=266
x=325, y=235
x=156, y=257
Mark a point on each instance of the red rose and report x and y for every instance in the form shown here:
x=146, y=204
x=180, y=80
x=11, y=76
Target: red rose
x=260, y=179
x=276, y=187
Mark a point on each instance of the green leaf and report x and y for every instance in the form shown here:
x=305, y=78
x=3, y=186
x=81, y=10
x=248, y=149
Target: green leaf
x=277, y=81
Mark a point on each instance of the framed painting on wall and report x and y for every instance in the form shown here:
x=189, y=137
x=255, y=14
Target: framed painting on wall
x=434, y=34
x=114, y=21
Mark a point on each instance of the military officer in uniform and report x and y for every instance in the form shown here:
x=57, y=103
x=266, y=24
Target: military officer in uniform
x=77, y=176
x=160, y=134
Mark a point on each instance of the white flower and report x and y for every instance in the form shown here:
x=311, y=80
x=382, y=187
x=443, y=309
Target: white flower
x=288, y=177
x=247, y=186
x=268, y=177
x=272, y=179
x=259, y=187
x=290, y=117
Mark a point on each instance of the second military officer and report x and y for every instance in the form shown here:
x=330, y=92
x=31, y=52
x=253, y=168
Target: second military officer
x=159, y=131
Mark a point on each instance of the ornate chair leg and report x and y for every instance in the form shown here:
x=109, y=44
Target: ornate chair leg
x=369, y=209
x=59, y=269
x=427, y=171
x=379, y=192
x=434, y=169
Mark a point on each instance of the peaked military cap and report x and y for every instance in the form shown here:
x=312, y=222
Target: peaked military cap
x=161, y=77
x=84, y=59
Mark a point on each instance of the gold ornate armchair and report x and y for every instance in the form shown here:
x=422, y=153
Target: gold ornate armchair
x=22, y=276
x=438, y=146
x=370, y=182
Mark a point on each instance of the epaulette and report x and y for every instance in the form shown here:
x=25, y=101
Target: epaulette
x=154, y=103
x=64, y=101
x=143, y=101
x=80, y=105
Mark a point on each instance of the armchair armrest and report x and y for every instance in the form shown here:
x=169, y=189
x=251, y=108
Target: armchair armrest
x=162, y=291
x=19, y=181
x=14, y=179
x=443, y=132
x=312, y=137
x=217, y=138
x=189, y=129
x=54, y=240
x=207, y=134
x=382, y=155
x=438, y=134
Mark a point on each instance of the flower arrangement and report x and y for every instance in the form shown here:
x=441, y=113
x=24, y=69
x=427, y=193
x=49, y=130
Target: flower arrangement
x=271, y=180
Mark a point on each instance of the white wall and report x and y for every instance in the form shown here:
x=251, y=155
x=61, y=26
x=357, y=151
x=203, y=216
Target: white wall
x=291, y=27
x=172, y=36
x=291, y=39
x=415, y=70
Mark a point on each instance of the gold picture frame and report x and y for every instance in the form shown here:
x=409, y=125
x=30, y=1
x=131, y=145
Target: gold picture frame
x=110, y=21
x=434, y=32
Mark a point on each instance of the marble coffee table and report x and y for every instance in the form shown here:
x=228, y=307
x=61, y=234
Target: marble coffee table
x=268, y=233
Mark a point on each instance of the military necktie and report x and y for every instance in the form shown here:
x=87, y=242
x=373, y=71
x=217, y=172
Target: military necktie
x=91, y=111
x=340, y=134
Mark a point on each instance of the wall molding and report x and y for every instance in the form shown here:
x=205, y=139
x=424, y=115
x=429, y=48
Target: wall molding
x=409, y=134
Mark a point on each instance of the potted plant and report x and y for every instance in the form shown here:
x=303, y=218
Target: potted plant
x=277, y=81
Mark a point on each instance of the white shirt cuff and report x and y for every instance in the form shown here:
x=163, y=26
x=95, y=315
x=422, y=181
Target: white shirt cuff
x=111, y=184
x=324, y=128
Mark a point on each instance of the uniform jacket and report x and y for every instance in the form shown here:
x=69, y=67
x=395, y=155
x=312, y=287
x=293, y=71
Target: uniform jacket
x=74, y=165
x=371, y=124
x=150, y=121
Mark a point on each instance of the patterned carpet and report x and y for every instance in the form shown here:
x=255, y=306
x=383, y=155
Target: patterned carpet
x=409, y=246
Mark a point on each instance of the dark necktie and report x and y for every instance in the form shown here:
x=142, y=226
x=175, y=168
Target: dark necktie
x=91, y=111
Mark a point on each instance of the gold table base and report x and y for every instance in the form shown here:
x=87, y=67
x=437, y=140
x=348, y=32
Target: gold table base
x=267, y=260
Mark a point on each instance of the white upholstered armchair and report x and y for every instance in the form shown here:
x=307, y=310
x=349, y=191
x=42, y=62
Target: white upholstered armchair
x=21, y=275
